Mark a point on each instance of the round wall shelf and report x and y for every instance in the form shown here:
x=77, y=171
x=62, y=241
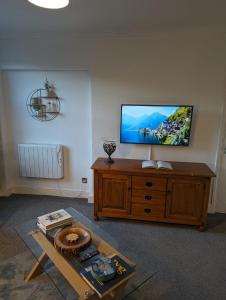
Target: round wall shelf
x=43, y=104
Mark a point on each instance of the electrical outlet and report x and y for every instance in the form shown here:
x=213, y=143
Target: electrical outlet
x=84, y=180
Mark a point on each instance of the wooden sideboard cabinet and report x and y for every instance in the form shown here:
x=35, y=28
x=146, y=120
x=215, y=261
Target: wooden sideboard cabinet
x=125, y=190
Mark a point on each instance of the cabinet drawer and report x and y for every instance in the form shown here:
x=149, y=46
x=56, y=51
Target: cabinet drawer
x=148, y=210
x=149, y=183
x=149, y=197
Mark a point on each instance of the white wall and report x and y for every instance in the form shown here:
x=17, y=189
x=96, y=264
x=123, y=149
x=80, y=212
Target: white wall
x=160, y=70
x=180, y=68
x=72, y=128
x=221, y=179
x=2, y=166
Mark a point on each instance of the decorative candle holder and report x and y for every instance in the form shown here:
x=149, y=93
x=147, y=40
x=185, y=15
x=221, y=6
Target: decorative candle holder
x=109, y=148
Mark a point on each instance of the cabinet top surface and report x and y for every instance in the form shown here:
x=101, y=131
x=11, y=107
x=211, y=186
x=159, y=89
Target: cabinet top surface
x=134, y=166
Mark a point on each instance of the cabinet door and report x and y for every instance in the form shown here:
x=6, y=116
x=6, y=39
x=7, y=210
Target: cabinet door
x=115, y=194
x=185, y=200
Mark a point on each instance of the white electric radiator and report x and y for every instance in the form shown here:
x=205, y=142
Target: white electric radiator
x=41, y=160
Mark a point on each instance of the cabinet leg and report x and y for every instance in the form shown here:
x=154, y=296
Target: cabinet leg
x=96, y=218
x=202, y=227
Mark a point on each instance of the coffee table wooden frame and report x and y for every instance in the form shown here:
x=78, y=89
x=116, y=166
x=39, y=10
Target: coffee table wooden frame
x=69, y=272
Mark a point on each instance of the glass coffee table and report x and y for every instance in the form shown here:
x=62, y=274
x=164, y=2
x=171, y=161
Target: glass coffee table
x=70, y=268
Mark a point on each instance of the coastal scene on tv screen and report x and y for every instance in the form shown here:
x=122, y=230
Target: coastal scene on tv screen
x=163, y=125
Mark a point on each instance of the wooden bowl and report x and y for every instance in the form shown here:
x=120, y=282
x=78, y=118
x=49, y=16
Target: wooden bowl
x=72, y=240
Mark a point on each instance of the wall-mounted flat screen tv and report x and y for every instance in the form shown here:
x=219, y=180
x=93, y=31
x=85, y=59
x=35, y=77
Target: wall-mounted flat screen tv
x=156, y=124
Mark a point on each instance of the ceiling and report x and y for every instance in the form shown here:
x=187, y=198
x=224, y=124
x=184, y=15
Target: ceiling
x=112, y=16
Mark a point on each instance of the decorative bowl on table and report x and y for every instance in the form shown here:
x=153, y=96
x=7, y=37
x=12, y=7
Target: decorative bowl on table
x=72, y=240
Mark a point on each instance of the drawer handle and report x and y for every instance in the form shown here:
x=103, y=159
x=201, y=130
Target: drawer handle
x=147, y=197
x=148, y=183
x=147, y=210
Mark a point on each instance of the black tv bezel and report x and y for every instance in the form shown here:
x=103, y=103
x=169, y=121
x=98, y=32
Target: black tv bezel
x=171, y=105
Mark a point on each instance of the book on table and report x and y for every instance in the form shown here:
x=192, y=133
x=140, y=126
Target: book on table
x=123, y=273
x=53, y=220
x=157, y=164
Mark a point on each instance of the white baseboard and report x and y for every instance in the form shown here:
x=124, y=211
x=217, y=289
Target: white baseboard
x=5, y=192
x=221, y=209
x=91, y=199
x=211, y=209
x=50, y=192
x=70, y=193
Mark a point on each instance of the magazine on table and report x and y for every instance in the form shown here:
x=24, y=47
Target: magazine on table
x=124, y=272
x=157, y=164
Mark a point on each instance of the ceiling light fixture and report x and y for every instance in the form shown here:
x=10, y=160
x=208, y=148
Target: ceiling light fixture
x=51, y=4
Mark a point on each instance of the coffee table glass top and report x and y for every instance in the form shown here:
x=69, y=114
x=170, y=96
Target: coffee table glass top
x=143, y=272
x=26, y=228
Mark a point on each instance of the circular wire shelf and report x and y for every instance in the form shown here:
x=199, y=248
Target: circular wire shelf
x=43, y=105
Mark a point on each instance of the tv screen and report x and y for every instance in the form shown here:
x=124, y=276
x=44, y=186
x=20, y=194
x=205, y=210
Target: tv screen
x=156, y=124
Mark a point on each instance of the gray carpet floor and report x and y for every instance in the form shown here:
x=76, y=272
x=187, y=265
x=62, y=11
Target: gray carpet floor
x=182, y=262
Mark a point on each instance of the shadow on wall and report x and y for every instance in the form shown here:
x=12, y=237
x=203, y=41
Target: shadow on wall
x=2, y=169
x=67, y=173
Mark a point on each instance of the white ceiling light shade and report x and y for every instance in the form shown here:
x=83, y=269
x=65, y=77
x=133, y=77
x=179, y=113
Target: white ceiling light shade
x=51, y=4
